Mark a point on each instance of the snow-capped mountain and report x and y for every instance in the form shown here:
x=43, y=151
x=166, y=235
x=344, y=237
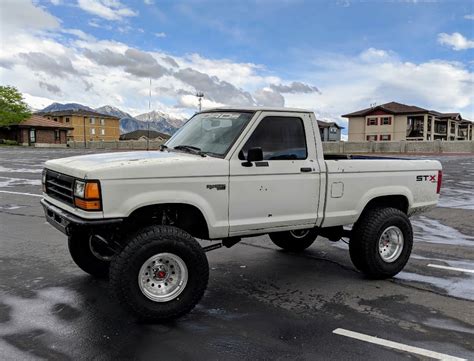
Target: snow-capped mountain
x=56, y=107
x=161, y=122
x=113, y=111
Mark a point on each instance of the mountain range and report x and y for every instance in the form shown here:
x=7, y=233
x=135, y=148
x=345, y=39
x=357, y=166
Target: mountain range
x=156, y=120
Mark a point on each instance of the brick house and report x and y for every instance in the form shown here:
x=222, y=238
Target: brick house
x=36, y=131
x=395, y=121
x=87, y=125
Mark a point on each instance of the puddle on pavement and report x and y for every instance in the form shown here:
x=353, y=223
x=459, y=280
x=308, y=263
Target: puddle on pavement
x=6, y=182
x=432, y=231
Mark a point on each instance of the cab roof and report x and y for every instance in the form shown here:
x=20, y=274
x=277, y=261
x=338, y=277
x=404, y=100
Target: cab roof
x=256, y=109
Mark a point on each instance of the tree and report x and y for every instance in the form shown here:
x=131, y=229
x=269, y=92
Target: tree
x=13, y=109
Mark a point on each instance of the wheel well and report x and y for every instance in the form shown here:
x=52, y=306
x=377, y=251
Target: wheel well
x=184, y=216
x=396, y=201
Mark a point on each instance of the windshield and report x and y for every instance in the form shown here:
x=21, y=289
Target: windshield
x=211, y=133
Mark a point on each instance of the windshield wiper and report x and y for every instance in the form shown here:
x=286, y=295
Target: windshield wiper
x=190, y=149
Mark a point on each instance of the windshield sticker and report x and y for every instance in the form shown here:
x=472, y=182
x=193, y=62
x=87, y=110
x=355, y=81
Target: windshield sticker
x=221, y=115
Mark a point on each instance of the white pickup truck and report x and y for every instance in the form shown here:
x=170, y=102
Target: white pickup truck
x=227, y=174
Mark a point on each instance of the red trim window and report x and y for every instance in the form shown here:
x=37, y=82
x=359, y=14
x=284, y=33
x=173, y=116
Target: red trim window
x=386, y=137
x=372, y=121
x=386, y=121
x=372, y=137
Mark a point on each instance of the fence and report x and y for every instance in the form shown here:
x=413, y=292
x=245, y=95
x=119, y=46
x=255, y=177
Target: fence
x=436, y=146
x=117, y=144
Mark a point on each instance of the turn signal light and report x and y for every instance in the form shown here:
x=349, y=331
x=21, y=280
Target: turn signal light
x=87, y=205
x=92, y=190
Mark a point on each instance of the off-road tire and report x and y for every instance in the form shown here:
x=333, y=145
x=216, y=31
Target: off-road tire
x=364, y=242
x=125, y=267
x=287, y=241
x=82, y=255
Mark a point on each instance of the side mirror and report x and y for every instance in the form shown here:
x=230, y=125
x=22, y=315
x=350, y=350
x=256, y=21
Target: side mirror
x=253, y=155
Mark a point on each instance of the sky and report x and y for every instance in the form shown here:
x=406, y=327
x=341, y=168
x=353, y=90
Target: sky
x=333, y=57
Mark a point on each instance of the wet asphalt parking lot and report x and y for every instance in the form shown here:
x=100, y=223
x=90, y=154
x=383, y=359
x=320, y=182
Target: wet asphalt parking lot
x=261, y=303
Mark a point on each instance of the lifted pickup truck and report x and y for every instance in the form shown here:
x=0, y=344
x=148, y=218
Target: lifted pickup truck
x=227, y=174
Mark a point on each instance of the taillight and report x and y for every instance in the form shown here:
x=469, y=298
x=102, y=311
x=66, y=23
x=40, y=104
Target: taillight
x=440, y=180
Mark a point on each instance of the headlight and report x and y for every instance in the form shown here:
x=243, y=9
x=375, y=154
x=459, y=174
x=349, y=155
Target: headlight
x=79, y=188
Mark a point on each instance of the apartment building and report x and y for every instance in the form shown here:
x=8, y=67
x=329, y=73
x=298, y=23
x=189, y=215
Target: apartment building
x=87, y=125
x=395, y=121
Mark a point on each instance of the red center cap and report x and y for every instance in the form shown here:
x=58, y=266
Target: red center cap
x=161, y=274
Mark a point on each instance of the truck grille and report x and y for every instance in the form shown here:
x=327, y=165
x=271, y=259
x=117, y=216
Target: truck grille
x=60, y=187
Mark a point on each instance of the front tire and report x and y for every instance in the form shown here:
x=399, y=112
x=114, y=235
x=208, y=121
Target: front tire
x=83, y=254
x=381, y=242
x=294, y=241
x=161, y=274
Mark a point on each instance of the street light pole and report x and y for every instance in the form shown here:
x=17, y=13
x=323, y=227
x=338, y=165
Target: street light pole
x=200, y=95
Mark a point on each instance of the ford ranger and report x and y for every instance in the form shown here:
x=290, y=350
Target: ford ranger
x=134, y=217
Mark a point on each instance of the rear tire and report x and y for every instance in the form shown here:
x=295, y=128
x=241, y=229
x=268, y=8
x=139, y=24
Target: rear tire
x=294, y=241
x=381, y=242
x=161, y=274
x=80, y=249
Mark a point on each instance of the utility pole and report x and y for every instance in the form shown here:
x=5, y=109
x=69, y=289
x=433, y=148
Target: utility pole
x=84, y=132
x=148, y=123
x=200, y=95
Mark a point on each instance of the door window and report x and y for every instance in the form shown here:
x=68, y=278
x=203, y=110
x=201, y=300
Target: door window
x=281, y=138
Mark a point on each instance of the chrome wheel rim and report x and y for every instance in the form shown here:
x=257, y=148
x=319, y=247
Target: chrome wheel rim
x=299, y=233
x=391, y=244
x=163, y=277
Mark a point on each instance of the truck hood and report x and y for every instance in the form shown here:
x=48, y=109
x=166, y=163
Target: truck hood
x=140, y=164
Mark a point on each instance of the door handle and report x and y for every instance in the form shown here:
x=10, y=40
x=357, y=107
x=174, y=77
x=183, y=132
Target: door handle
x=306, y=169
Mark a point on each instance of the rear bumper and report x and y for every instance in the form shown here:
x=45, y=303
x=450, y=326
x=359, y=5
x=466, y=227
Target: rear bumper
x=66, y=222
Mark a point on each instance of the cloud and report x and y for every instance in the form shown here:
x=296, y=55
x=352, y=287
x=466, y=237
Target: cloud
x=149, y=2
x=22, y=14
x=215, y=89
x=269, y=97
x=351, y=83
x=170, y=61
x=95, y=71
x=7, y=64
x=160, y=35
x=295, y=87
x=456, y=41
x=78, y=33
x=50, y=87
x=133, y=61
x=59, y=66
x=190, y=101
x=107, y=9
x=469, y=17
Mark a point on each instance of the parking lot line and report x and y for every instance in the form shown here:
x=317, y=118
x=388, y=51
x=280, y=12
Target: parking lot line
x=451, y=268
x=395, y=345
x=26, y=194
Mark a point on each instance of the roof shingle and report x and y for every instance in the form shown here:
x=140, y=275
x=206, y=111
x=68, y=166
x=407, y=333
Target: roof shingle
x=41, y=122
x=392, y=107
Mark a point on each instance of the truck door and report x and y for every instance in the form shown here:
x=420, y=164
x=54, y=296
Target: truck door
x=281, y=190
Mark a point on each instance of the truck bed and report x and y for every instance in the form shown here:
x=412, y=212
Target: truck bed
x=352, y=181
